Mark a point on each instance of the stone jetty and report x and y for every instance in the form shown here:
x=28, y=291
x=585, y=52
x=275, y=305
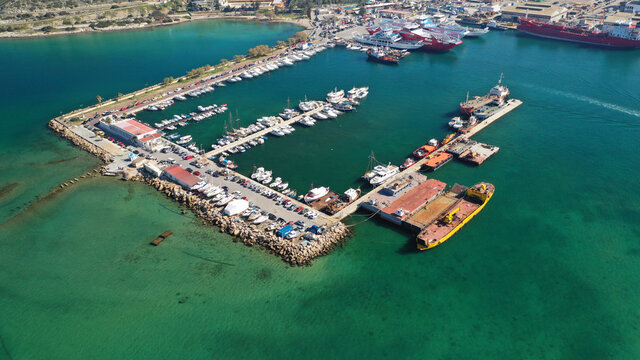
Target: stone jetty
x=64, y=131
x=249, y=234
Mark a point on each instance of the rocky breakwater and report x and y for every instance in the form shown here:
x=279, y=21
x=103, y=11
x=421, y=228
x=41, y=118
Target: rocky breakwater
x=250, y=234
x=63, y=130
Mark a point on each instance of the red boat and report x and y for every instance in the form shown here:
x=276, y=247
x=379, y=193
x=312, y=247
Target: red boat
x=619, y=35
x=379, y=55
x=431, y=41
x=374, y=29
x=407, y=163
x=426, y=150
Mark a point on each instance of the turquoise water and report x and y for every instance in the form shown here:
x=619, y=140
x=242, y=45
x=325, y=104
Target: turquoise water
x=548, y=270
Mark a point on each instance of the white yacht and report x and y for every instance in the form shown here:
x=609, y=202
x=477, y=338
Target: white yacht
x=335, y=96
x=320, y=116
x=256, y=173
x=276, y=182
x=307, y=121
x=315, y=194
x=329, y=113
x=385, y=175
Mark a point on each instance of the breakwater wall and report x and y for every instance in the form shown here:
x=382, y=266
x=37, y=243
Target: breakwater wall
x=250, y=234
x=62, y=130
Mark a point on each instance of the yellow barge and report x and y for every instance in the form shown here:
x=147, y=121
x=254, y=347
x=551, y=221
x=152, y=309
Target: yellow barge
x=456, y=216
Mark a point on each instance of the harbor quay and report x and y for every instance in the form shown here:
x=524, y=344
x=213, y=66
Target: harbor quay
x=509, y=106
x=407, y=199
x=258, y=210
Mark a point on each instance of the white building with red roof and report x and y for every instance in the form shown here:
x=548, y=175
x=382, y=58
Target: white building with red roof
x=180, y=176
x=134, y=131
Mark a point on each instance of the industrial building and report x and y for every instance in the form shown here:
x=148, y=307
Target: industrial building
x=540, y=11
x=180, y=176
x=133, y=131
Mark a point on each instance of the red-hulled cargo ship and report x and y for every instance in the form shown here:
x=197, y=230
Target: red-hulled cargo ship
x=619, y=35
x=432, y=41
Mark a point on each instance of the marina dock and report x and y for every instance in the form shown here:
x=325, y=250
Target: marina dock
x=195, y=85
x=264, y=132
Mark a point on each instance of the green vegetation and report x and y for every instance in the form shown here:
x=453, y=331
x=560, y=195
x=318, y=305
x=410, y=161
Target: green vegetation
x=197, y=72
x=8, y=28
x=259, y=50
x=168, y=80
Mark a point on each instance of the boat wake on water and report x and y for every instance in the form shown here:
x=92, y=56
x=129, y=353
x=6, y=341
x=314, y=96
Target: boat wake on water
x=589, y=100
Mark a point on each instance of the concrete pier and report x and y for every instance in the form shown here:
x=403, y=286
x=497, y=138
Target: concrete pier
x=509, y=106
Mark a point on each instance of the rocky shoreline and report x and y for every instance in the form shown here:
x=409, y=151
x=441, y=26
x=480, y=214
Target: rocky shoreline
x=76, y=140
x=249, y=234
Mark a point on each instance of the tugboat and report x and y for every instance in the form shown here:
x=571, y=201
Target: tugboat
x=383, y=57
x=407, y=163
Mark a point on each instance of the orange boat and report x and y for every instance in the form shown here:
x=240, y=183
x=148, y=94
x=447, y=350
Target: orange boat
x=426, y=150
x=473, y=201
x=437, y=160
